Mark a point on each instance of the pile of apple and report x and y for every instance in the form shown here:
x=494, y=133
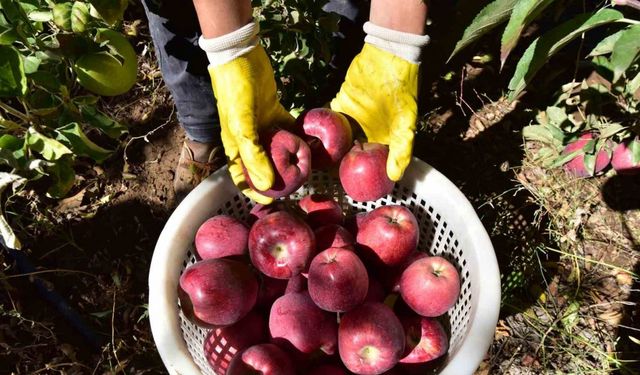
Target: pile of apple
x=304, y=288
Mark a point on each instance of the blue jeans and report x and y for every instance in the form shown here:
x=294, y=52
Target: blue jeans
x=175, y=31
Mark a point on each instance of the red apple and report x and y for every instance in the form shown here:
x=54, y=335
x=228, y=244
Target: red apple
x=376, y=292
x=291, y=159
x=363, y=172
x=393, y=275
x=328, y=134
x=221, y=236
x=297, y=320
x=221, y=344
x=338, y=280
x=576, y=166
x=222, y=291
x=321, y=210
x=370, y=339
x=260, y=210
x=430, y=286
x=387, y=235
x=426, y=339
x=270, y=290
x=328, y=369
x=261, y=359
x=626, y=157
x=281, y=245
x=296, y=284
x=333, y=235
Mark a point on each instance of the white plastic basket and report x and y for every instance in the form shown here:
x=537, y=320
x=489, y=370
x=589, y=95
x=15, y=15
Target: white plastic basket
x=449, y=227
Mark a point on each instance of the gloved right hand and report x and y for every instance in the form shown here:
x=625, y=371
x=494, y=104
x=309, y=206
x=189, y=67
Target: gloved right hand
x=245, y=90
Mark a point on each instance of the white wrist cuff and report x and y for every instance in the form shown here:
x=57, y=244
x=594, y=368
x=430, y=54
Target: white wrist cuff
x=405, y=45
x=227, y=47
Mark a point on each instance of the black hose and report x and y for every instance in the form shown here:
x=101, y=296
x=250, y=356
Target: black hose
x=69, y=314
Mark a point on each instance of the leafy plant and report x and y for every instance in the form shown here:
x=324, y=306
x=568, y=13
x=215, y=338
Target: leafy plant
x=601, y=104
x=519, y=14
x=297, y=34
x=47, y=121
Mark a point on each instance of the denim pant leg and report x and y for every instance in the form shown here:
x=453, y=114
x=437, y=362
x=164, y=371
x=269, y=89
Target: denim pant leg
x=175, y=31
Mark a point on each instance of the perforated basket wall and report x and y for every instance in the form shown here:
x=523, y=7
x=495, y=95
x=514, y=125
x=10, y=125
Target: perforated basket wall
x=437, y=237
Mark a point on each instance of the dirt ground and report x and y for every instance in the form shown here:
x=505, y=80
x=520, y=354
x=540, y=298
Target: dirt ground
x=95, y=247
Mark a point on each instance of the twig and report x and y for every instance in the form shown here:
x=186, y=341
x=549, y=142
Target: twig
x=113, y=345
x=46, y=271
x=14, y=112
x=146, y=136
x=49, y=367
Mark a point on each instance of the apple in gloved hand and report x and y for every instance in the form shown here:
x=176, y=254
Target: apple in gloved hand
x=291, y=160
x=363, y=172
x=328, y=134
x=281, y=245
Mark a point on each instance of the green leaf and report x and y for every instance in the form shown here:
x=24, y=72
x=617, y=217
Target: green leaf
x=46, y=80
x=14, y=12
x=61, y=13
x=73, y=137
x=547, y=45
x=634, y=148
x=625, y=51
x=537, y=133
x=31, y=64
x=8, y=35
x=11, y=152
x=49, y=148
x=556, y=115
x=605, y=46
x=8, y=236
x=633, y=85
x=110, y=10
x=524, y=12
x=63, y=177
x=79, y=16
x=487, y=19
x=86, y=100
x=40, y=16
x=571, y=316
x=10, y=142
x=13, y=81
x=104, y=123
x=611, y=130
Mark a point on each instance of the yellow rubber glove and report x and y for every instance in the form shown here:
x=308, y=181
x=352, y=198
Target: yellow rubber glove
x=245, y=90
x=380, y=92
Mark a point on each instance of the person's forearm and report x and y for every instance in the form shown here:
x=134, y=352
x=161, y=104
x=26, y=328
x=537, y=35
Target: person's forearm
x=409, y=16
x=219, y=17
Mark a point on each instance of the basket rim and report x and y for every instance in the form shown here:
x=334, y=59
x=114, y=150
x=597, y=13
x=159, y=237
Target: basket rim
x=167, y=260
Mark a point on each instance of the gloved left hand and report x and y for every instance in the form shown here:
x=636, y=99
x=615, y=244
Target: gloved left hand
x=380, y=92
x=244, y=86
